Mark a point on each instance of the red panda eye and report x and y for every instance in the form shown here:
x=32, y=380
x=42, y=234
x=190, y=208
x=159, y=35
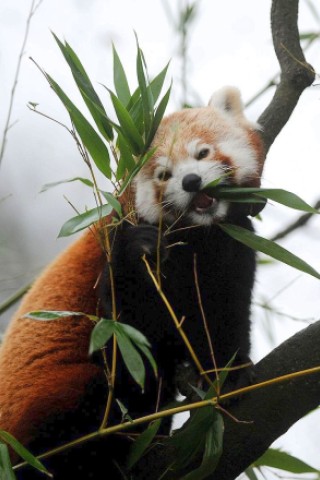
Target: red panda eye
x=165, y=175
x=204, y=152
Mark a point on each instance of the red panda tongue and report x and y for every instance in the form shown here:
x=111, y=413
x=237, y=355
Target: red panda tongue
x=203, y=201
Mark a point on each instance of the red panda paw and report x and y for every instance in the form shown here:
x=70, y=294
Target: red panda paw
x=145, y=240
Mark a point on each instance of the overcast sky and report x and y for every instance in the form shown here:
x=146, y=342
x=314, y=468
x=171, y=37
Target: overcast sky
x=230, y=44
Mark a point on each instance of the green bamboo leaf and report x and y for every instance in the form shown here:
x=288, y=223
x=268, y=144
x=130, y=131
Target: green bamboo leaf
x=86, y=89
x=136, y=112
x=142, y=443
x=101, y=334
x=286, y=198
x=84, y=220
x=141, y=342
x=157, y=82
x=278, y=195
x=135, y=335
x=284, y=461
x=190, y=439
x=146, y=93
x=126, y=161
x=91, y=140
x=128, y=128
x=224, y=373
x=120, y=79
x=6, y=471
x=52, y=314
x=124, y=411
x=143, y=160
x=135, y=103
x=115, y=204
x=86, y=181
x=251, y=474
x=134, y=98
x=212, y=451
x=131, y=357
x=268, y=247
x=158, y=116
x=23, y=452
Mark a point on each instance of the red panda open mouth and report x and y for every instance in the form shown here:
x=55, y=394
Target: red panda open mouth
x=202, y=202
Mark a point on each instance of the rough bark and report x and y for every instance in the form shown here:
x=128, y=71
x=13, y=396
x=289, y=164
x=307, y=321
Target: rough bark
x=271, y=409
x=296, y=73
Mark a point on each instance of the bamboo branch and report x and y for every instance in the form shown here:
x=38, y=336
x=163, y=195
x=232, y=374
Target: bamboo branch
x=269, y=411
x=300, y=222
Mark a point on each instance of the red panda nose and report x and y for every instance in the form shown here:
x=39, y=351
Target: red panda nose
x=191, y=182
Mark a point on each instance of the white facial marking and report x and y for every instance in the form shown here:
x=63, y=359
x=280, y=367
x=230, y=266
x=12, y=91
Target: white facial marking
x=242, y=154
x=145, y=201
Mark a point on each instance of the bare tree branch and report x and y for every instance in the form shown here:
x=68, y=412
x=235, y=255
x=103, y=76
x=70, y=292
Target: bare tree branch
x=300, y=222
x=33, y=8
x=272, y=410
x=296, y=73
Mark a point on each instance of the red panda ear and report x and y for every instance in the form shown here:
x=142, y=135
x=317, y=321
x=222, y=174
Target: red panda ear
x=227, y=99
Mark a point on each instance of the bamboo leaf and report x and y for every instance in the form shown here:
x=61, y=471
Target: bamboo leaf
x=120, y=79
x=86, y=89
x=142, y=443
x=101, y=334
x=124, y=411
x=141, y=342
x=251, y=474
x=158, y=116
x=284, y=461
x=143, y=160
x=84, y=220
x=136, y=113
x=212, y=451
x=191, y=437
x=91, y=140
x=146, y=92
x=278, y=195
x=135, y=335
x=157, y=82
x=113, y=202
x=268, y=247
x=6, y=471
x=131, y=357
x=23, y=452
x=86, y=181
x=128, y=128
x=126, y=161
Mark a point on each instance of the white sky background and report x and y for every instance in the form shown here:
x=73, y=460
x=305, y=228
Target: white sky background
x=230, y=44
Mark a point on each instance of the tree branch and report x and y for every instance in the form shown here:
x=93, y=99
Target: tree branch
x=300, y=222
x=272, y=410
x=296, y=73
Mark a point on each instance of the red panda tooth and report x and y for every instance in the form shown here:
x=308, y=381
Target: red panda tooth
x=203, y=201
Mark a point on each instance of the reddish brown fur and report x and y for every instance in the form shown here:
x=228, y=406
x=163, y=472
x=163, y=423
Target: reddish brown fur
x=256, y=141
x=32, y=372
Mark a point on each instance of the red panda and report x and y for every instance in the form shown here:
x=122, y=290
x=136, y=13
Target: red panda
x=51, y=391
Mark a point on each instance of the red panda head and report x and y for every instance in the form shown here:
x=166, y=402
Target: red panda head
x=193, y=148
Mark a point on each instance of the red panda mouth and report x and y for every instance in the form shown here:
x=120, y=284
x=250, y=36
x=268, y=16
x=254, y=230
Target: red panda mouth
x=202, y=202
